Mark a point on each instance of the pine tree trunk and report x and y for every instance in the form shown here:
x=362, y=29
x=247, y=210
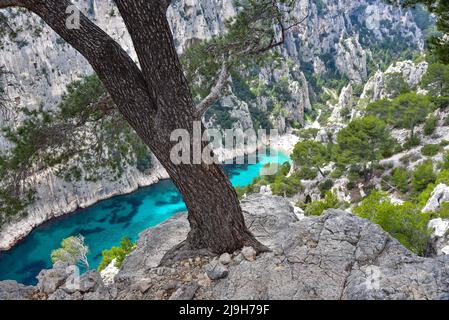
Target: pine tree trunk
x=155, y=99
x=214, y=213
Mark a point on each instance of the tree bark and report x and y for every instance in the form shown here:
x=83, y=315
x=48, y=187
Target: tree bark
x=156, y=99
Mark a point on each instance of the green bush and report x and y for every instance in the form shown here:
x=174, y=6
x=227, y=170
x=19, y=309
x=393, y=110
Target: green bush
x=445, y=164
x=400, y=179
x=443, y=212
x=118, y=253
x=316, y=208
x=430, y=125
x=444, y=143
x=325, y=186
x=283, y=186
x=412, y=142
x=307, y=173
x=430, y=150
x=404, y=222
x=423, y=175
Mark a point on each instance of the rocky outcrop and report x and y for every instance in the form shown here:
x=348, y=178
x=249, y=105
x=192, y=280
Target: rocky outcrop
x=11, y=290
x=439, y=195
x=376, y=87
x=439, y=244
x=333, y=256
x=351, y=60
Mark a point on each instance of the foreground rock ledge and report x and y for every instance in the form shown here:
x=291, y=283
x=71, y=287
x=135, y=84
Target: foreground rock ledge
x=334, y=256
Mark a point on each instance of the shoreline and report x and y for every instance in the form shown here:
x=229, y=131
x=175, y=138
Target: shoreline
x=13, y=233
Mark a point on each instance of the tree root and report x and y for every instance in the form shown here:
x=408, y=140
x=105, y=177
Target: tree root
x=185, y=250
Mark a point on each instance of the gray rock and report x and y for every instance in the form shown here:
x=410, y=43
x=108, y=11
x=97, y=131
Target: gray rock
x=225, y=258
x=335, y=256
x=186, y=292
x=216, y=270
x=91, y=281
x=11, y=290
x=50, y=280
x=439, y=195
x=249, y=253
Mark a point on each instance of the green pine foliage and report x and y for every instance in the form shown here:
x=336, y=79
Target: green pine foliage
x=401, y=179
x=330, y=201
x=430, y=150
x=422, y=176
x=405, y=111
x=363, y=143
x=404, y=222
x=118, y=253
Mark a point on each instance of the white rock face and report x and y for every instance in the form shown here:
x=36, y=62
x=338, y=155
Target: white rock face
x=375, y=88
x=439, y=195
x=351, y=60
x=440, y=236
x=108, y=273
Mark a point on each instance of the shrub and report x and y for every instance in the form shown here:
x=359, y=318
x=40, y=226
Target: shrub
x=283, y=186
x=445, y=164
x=316, y=208
x=307, y=173
x=430, y=125
x=430, y=150
x=404, y=222
x=400, y=179
x=412, y=142
x=444, y=143
x=117, y=253
x=350, y=185
x=325, y=186
x=337, y=173
x=409, y=158
x=423, y=175
x=443, y=212
x=443, y=177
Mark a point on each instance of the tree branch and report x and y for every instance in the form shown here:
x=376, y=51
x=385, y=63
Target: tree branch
x=156, y=51
x=215, y=92
x=10, y=3
x=118, y=72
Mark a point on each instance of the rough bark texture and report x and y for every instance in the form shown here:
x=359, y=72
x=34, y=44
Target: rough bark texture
x=155, y=99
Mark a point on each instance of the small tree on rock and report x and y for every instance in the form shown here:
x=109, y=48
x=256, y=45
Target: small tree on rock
x=72, y=251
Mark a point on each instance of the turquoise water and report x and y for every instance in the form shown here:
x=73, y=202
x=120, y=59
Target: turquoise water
x=105, y=223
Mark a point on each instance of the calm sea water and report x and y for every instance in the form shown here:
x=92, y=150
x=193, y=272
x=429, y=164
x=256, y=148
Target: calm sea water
x=105, y=223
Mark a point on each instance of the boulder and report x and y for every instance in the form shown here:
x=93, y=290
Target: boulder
x=439, y=195
x=11, y=290
x=216, y=270
x=249, y=253
x=225, y=258
x=440, y=237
